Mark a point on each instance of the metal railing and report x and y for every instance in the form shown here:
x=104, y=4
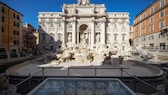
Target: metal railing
x=147, y=84
x=7, y=92
x=121, y=69
x=85, y=68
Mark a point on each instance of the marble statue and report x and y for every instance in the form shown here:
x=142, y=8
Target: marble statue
x=83, y=2
x=69, y=37
x=84, y=40
x=69, y=41
x=97, y=38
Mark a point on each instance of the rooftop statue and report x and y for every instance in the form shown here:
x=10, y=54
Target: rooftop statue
x=83, y=2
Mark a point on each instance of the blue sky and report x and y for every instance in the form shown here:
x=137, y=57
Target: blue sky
x=30, y=8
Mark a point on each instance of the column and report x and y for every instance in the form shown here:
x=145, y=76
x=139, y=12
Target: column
x=77, y=37
x=63, y=30
x=74, y=32
x=92, y=33
x=102, y=34
x=89, y=37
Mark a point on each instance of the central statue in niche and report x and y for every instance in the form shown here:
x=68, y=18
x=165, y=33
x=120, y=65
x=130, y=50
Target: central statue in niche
x=83, y=2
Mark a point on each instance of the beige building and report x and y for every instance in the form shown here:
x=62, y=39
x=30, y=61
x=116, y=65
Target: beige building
x=10, y=30
x=151, y=26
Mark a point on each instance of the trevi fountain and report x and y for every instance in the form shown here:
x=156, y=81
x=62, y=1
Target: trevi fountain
x=85, y=50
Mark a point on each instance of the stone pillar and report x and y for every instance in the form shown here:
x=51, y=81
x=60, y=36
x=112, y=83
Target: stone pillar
x=92, y=33
x=77, y=37
x=64, y=33
x=74, y=32
x=102, y=34
x=89, y=38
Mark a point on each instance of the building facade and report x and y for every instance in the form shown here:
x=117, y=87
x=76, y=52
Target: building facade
x=30, y=37
x=131, y=36
x=150, y=26
x=10, y=30
x=83, y=25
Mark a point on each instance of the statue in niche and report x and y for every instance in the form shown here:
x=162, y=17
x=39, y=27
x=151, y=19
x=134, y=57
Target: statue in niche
x=83, y=2
x=84, y=40
x=97, y=38
x=69, y=25
x=69, y=40
x=69, y=37
x=97, y=25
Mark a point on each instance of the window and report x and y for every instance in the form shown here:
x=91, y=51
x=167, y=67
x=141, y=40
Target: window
x=151, y=19
x=143, y=31
x=43, y=24
x=70, y=25
x=14, y=23
x=15, y=32
x=51, y=24
x=151, y=28
x=123, y=47
x=161, y=14
x=115, y=25
x=143, y=16
x=123, y=28
x=3, y=19
x=59, y=23
x=107, y=38
x=161, y=24
x=2, y=29
x=14, y=15
x=16, y=42
x=143, y=39
x=136, y=29
x=115, y=29
x=162, y=2
x=18, y=25
x=18, y=17
x=143, y=24
x=161, y=35
x=151, y=37
x=123, y=37
x=151, y=45
x=115, y=37
x=162, y=46
x=151, y=10
x=3, y=9
x=59, y=36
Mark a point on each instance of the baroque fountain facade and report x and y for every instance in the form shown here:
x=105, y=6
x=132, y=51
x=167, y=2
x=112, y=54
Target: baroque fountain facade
x=83, y=25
